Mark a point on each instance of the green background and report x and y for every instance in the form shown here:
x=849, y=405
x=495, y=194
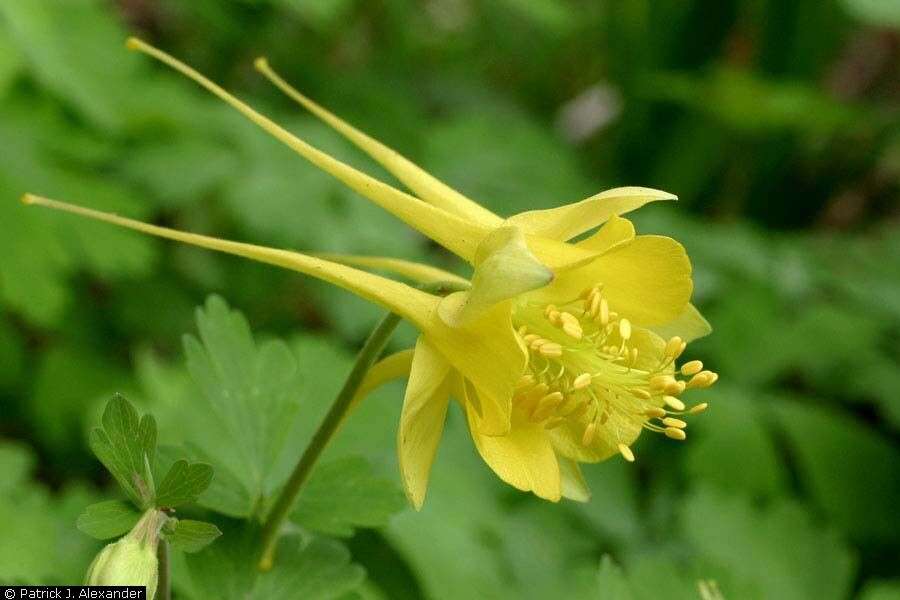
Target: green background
x=775, y=122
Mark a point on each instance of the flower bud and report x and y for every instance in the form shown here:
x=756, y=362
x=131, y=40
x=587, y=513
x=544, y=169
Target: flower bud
x=132, y=560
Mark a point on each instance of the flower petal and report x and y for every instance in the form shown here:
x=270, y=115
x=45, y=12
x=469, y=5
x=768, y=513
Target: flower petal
x=422, y=419
x=425, y=185
x=415, y=305
x=504, y=268
x=450, y=231
x=566, y=222
x=489, y=354
x=689, y=325
x=418, y=272
x=524, y=458
x=390, y=367
x=614, y=232
x=574, y=487
x=647, y=280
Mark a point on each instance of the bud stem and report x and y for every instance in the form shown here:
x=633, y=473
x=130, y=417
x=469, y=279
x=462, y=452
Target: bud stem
x=164, y=588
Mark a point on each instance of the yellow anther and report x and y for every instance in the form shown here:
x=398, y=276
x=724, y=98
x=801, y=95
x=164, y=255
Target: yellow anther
x=634, y=355
x=573, y=330
x=530, y=338
x=691, y=368
x=702, y=379
x=655, y=412
x=625, y=329
x=522, y=330
x=537, y=343
x=589, y=432
x=675, y=433
x=673, y=347
x=660, y=382
x=604, y=311
x=550, y=349
x=553, y=317
x=673, y=402
x=641, y=393
x=593, y=305
x=699, y=408
x=673, y=422
x=673, y=388
x=567, y=317
x=582, y=381
x=547, y=405
x=550, y=308
x=626, y=452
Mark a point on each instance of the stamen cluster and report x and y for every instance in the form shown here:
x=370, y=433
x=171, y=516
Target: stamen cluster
x=591, y=369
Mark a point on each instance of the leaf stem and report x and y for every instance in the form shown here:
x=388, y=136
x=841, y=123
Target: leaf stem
x=164, y=585
x=367, y=356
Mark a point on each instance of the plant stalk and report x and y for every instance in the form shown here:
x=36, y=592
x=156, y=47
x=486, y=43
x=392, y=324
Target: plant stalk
x=164, y=585
x=367, y=356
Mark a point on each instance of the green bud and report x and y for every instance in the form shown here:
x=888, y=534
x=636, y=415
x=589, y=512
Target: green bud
x=132, y=560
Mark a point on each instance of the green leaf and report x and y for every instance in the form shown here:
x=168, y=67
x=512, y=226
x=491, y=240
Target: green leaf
x=732, y=447
x=308, y=569
x=774, y=552
x=849, y=469
x=38, y=544
x=192, y=536
x=126, y=445
x=611, y=582
x=251, y=390
x=108, y=519
x=881, y=590
x=344, y=494
x=183, y=483
x=505, y=161
x=879, y=13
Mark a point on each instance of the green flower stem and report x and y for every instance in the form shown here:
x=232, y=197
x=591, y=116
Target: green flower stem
x=369, y=353
x=164, y=585
x=367, y=357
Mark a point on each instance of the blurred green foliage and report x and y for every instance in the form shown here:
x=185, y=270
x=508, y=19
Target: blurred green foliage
x=775, y=122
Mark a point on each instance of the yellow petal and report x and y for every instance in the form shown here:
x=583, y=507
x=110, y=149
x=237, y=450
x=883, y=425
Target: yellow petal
x=394, y=366
x=418, y=272
x=524, y=458
x=490, y=355
x=426, y=186
x=504, y=268
x=647, y=280
x=415, y=305
x=422, y=419
x=689, y=325
x=574, y=487
x=559, y=256
x=613, y=233
x=450, y=231
x=566, y=222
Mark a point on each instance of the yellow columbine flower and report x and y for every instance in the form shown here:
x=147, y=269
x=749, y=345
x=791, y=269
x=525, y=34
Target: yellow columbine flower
x=558, y=352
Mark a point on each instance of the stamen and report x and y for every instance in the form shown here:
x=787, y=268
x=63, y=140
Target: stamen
x=673, y=402
x=675, y=433
x=673, y=422
x=582, y=381
x=691, y=368
x=698, y=408
x=626, y=452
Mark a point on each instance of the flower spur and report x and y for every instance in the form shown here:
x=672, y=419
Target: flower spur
x=558, y=352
